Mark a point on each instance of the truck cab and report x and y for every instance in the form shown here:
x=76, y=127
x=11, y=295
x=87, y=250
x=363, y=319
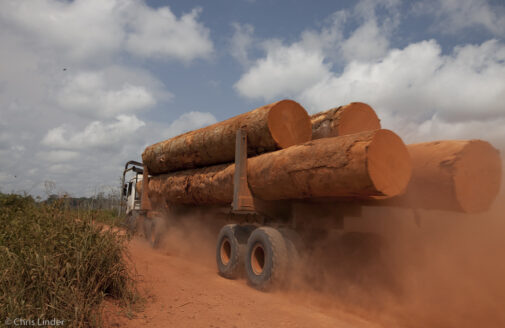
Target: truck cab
x=132, y=193
x=131, y=190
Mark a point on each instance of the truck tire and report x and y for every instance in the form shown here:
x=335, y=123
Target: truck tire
x=230, y=250
x=266, y=259
x=154, y=229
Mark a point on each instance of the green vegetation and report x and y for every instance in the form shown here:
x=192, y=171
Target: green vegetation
x=55, y=262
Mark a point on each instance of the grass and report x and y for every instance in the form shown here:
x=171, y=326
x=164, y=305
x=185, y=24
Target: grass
x=57, y=263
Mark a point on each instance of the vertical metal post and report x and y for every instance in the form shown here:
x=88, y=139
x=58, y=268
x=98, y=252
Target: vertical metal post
x=242, y=196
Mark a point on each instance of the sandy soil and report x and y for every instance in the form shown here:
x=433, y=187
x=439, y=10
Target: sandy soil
x=185, y=293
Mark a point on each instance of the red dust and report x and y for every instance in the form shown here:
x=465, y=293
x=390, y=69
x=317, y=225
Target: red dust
x=390, y=268
x=413, y=269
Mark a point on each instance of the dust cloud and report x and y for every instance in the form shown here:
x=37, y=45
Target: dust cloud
x=392, y=266
x=412, y=269
x=191, y=235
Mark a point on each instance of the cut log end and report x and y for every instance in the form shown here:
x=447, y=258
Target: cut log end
x=389, y=163
x=289, y=124
x=477, y=176
x=357, y=117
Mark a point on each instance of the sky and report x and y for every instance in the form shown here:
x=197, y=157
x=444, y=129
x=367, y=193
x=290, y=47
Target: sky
x=86, y=85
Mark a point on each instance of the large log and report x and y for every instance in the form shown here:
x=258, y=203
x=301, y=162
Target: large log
x=454, y=175
x=349, y=119
x=271, y=127
x=364, y=165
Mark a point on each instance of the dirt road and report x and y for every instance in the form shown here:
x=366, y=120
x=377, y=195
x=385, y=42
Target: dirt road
x=444, y=271
x=185, y=293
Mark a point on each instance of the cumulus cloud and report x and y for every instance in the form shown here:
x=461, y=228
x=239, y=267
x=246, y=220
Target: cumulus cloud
x=83, y=29
x=424, y=94
x=367, y=42
x=455, y=15
x=418, y=90
x=241, y=42
x=287, y=70
x=160, y=34
x=419, y=80
x=284, y=72
x=370, y=39
x=90, y=93
x=77, y=87
x=91, y=29
x=95, y=135
x=189, y=121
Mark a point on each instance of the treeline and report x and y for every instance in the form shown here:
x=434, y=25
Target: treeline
x=101, y=201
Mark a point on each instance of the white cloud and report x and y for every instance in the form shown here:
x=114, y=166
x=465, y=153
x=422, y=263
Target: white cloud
x=455, y=15
x=367, y=42
x=57, y=156
x=82, y=29
x=93, y=29
x=77, y=83
x=370, y=39
x=61, y=169
x=424, y=94
x=241, y=42
x=418, y=90
x=284, y=72
x=94, y=135
x=90, y=93
x=287, y=70
x=160, y=34
x=189, y=121
x=419, y=80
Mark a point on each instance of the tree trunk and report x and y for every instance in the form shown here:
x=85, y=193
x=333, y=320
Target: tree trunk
x=455, y=175
x=271, y=127
x=349, y=119
x=364, y=165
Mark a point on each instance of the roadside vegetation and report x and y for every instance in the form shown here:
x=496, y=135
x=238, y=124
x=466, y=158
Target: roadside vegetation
x=57, y=262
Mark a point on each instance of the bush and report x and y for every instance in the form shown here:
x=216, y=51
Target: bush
x=55, y=263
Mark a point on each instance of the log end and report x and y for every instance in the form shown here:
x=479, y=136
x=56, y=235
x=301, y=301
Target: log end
x=389, y=164
x=477, y=176
x=289, y=123
x=357, y=117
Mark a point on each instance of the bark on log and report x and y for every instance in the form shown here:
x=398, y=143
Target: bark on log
x=271, y=127
x=372, y=163
x=349, y=119
x=454, y=175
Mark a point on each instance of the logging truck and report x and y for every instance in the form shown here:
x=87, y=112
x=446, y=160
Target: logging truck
x=278, y=179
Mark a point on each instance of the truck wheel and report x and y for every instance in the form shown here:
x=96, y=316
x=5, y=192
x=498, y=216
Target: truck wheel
x=154, y=228
x=266, y=258
x=231, y=244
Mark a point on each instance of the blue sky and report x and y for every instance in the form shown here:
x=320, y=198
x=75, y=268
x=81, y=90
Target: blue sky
x=85, y=85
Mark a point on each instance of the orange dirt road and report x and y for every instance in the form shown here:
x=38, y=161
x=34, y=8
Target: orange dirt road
x=185, y=293
x=435, y=269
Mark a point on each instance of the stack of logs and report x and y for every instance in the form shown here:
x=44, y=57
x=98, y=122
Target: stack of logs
x=340, y=154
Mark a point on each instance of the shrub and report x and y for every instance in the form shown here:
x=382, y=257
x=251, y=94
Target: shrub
x=56, y=263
